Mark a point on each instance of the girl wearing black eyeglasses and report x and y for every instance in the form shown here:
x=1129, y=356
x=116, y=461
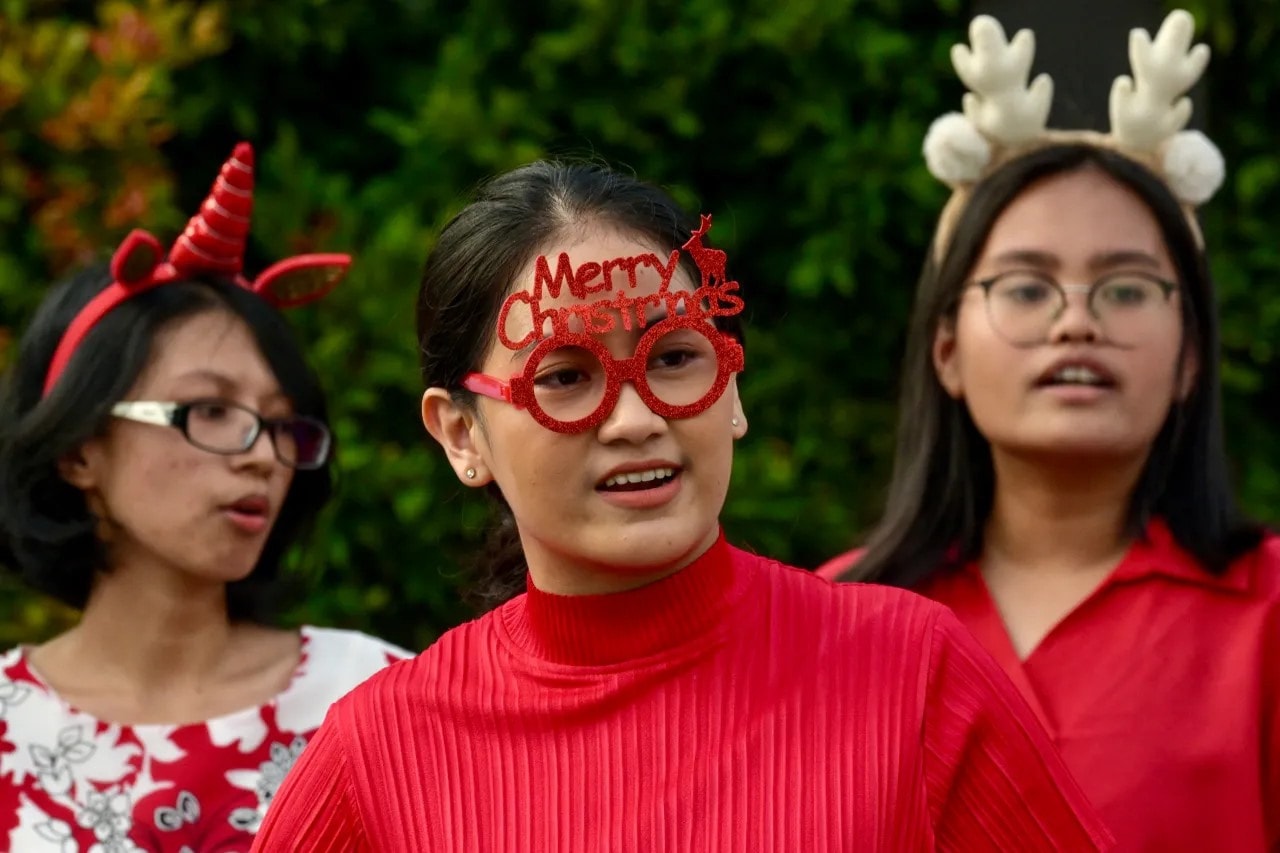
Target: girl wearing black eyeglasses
x=162, y=445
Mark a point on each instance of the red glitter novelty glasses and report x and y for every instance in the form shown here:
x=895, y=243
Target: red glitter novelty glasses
x=571, y=382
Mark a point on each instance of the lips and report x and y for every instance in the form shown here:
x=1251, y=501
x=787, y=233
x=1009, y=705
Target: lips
x=1079, y=372
x=250, y=505
x=639, y=476
x=250, y=514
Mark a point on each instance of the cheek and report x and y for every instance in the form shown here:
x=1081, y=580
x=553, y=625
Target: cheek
x=989, y=368
x=524, y=457
x=991, y=373
x=281, y=483
x=1158, y=375
x=707, y=439
x=154, y=495
x=164, y=483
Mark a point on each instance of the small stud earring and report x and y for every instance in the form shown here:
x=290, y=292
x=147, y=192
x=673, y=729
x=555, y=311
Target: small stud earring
x=471, y=473
x=734, y=421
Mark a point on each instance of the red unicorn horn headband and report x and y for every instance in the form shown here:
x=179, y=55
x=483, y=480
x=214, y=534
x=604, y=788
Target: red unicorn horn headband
x=213, y=243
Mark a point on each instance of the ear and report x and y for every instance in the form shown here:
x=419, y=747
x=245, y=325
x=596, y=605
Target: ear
x=455, y=428
x=739, y=422
x=76, y=467
x=946, y=363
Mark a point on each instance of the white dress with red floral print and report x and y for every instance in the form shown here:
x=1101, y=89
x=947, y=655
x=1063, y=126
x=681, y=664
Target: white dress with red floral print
x=70, y=782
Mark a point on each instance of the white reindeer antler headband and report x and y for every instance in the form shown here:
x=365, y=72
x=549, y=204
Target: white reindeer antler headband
x=1004, y=117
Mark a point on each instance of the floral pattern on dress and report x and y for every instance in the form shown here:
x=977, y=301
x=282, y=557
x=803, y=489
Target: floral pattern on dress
x=70, y=783
x=266, y=781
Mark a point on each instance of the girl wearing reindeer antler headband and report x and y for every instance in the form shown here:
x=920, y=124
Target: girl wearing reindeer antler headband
x=652, y=688
x=162, y=444
x=1060, y=478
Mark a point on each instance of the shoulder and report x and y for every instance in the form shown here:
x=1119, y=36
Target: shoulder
x=12, y=662
x=18, y=681
x=1265, y=585
x=856, y=617
x=835, y=567
x=35, y=724
x=1265, y=565
x=333, y=662
x=460, y=653
x=1251, y=583
x=351, y=649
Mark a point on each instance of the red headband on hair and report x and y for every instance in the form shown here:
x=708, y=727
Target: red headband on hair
x=212, y=244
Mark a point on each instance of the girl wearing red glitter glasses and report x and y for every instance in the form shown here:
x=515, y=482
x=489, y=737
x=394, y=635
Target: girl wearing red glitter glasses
x=650, y=687
x=162, y=445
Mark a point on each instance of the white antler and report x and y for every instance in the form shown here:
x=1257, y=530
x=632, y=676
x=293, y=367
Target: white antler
x=1150, y=107
x=999, y=102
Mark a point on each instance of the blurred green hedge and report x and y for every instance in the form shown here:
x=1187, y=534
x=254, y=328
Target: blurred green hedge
x=798, y=124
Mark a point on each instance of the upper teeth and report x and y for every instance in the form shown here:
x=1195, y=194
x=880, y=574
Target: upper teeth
x=1077, y=373
x=640, y=476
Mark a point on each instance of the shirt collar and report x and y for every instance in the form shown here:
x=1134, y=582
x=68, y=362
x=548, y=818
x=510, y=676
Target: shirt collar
x=1158, y=554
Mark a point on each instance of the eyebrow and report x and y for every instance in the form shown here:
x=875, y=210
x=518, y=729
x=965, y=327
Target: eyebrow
x=224, y=382
x=1099, y=262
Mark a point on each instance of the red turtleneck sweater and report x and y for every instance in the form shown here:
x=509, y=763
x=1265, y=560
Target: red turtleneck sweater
x=737, y=705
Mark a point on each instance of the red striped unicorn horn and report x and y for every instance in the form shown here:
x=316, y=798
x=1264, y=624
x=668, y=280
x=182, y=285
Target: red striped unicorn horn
x=214, y=239
x=212, y=244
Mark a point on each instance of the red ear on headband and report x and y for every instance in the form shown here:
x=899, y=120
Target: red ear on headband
x=212, y=244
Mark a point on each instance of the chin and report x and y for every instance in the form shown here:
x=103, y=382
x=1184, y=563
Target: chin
x=232, y=568
x=1077, y=448
x=226, y=577
x=649, y=546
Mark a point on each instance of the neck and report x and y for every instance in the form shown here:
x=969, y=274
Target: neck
x=153, y=628
x=608, y=629
x=1063, y=515
x=562, y=574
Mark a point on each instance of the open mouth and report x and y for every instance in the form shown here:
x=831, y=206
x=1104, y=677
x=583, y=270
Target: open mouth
x=638, y=481
x=249, y=509
x=1078, y=375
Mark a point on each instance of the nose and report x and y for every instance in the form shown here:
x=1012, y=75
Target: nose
x=1076, y=321
x=631, y=420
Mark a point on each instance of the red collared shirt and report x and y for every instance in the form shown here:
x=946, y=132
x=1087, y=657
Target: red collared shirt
x=1162, y=692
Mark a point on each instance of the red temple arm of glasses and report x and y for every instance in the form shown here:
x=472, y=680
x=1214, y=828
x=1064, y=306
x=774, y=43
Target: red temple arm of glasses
x=480, y=383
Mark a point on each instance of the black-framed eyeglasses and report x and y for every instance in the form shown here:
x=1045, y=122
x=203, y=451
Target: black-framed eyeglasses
x=1023, y=305
x=223, y=427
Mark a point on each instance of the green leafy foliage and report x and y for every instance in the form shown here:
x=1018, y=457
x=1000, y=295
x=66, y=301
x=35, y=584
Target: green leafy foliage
x=798, y=124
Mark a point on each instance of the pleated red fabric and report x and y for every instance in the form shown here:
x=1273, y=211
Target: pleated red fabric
x=738, y=705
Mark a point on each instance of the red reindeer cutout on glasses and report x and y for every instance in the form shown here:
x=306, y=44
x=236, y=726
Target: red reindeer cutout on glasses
x=213, y=243
x=710, y=262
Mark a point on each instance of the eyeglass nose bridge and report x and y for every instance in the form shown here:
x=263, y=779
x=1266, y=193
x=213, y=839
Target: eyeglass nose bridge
x=254, y=434
x=618, y=372
x=272, y=430
x=632, y=370
x=1066, y=289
